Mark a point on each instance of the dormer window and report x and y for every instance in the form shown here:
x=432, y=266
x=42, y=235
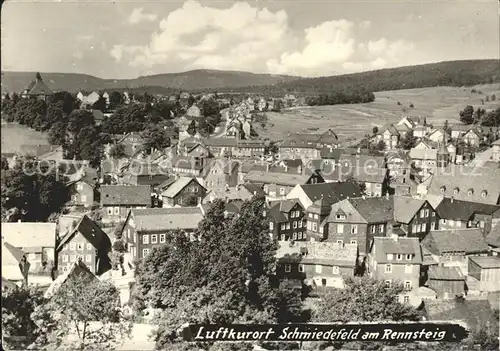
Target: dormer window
x=470, y=192
x=443, y=189
x=340, y=216
x=484, y=193
x=456, y=191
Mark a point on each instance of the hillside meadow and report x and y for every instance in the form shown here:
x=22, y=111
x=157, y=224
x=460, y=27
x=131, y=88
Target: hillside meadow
x=14, y=135
x=437, y=104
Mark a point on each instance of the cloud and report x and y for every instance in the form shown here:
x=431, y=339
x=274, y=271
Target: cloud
x=138, y=16
x=243, y=37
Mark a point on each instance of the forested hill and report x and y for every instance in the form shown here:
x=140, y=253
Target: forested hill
x=449, y=73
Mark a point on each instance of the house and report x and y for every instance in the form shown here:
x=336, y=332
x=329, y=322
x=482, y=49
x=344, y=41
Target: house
x=98, y=116
x=465, y=214
x=145, y=229
x=306, y=146
x=454, y=247
x=88, y=242
x=472, y=137
x=117, y=200
x=185, y=191
x=145, y=173
x=317, y=217
x=132, y=143
x=235, y=147
x=223, y=174
x=184, y=100
x=424, y=144
x=437, y=135
x=246, y=191
x=420, y=131
x=286, y=220
x=374, y=180
x=408, y=121
x=447, y=282
x=334, y=192
x=77, y=270
x=389, y=135
x=12, y=272
x=36, y=240
x=481, y=186
x=37, y=90
x=399, y=166
x=83, y=188
x=320, y=264
x=487, y=271
x=493, y=237
x=394, y=260
x=457, y=131
x=424, y=159
x=278, y=185
x=496, y=151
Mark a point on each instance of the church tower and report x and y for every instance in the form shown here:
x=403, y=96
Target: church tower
x=443, y=156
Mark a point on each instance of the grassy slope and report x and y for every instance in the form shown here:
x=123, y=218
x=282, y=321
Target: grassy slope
x=354, y=121
x=15, y=135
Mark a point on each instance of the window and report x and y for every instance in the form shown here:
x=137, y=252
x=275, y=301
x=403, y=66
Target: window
x=154, y=238
x=390, y=257
x=294, y=224
x=484, y=193
x=414, y=228
x=283, y=237
x=318, y=268
x=340, y=228
x=336, y=270
x=288, y=268
x=387, y=284
x=145, y=252
x=300, y=224
x=72, y=258
x=388, y=268
x=79, y=186
x=354, y=229
x=266, y=189
x=354, y=242
x=315, y=227
x=271, y=225
x=145, y=239
x=292, y=214
x=110, y=211
x=340, y=216
x=419, y=228
x=117, y=210
x=340, y=242
x=408, y=268
x=321, y=229
x=433, y=214
x=288, y=226
x=283, y=226
x=64, y=258
x=303, y=235
x=424, y=227
x=80, y=246
x=84, y=198
x=315, y=216
x=433, y=226
x=299, y=235
x=162, y=238
x=443, y=221
x=88, y=258
x=409, y=256
x=294, y=236
x=301, y=268
x=426, y=213
x=408, y=285
x=282, y=191
x=381, y=228
x=399, y=257
x=72, y=246
x=372, y=230
x=297, y=213
x=310, y=215
x=406, y=299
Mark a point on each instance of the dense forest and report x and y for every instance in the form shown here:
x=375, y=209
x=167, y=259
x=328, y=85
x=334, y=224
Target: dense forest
x=451, y=73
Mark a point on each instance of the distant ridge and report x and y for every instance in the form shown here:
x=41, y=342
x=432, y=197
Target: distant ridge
x=448, y=73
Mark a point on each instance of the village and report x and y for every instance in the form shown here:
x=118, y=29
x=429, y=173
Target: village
x=414, y=204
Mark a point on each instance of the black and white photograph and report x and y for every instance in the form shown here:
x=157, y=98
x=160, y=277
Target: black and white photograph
x=248, y=175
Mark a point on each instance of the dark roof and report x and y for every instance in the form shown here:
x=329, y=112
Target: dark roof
x=292, y=163
x=487, y=261
x=38, y=87
x=445, y=273
x=450, y=208
x=126, y=195
x=17, y=253
x=234, y=206
x=254, y=188
x=331, y=153
x=90, y=231
x=383, y=246
x=333, y=192
x=98, y=115
x=493, y=237
x=455, y=240
x=374, y=209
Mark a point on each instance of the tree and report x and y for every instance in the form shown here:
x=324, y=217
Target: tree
x=467, y=115
x=491, y=119
x=116, y=100
x=19, y=330
x=34, y=191
x=126, y=119
x=408, y=141
x=381, y=145
x=79, y=119
x=117, y=151
x=5, y=164
x=209, y=107
x=87, y=145
x=375, y=130
x=89, y=308
x=446, y=127
x=100, y=104
x=155, y=138
x=58, y=134
x=411, y=106
x=65, y=100
x=478, y=114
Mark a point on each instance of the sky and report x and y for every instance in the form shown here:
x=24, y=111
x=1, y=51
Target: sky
x=126, y=39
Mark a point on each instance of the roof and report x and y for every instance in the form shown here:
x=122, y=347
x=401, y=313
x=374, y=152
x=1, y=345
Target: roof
x=125, y=195
x=234, y=142
x=405, y=246
x=334, y=192
x=484, y=183
x=29, y=234
x=90, y=231
x=285, y=205
x=315, y=252
x=11, y=257
x=468, y=241
x=363, y=174
x=389, y=128
x=362, y=161
x=77, y=269
x=253, y=188
x=39, y=88
x=162, y=219
x=374, y=209
x=276, y=178
x=445, y=273
x=449, y=208
x=486, y=261
x=177, y=186
x=405, y=208
x=98, y=115
x=493, y=237
x=292, y=163
x=423, y=154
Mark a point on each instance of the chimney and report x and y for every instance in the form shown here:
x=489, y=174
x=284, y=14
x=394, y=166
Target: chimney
x=299, y=169
x=267, y=167
x=364, y=197
x=286, y=168
x=451, y=199
x=387, y=195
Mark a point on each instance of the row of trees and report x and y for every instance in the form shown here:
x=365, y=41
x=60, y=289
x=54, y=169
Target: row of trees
x=343, y=97
x=480, y=116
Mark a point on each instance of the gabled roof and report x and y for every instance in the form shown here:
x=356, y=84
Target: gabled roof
x=486, y=262
x=423, y=154
x=122, y=195
x=493, y=237
x=178, y=185
x=374, y=209
x=39, y=88
x=292, y=163
x=363, y=174
x=405, y=246
x=253, y=188
x=163, y=219
x=405, y=208
x=389, y=128
x=334, y=192
x=77, y=270
x=315, y=252
x=285, y=205
x=264, y=177
x=29, y=234
x=450, y=208
x=468, y=241
x=445, y=273
x=90, y=231
x=11, y=257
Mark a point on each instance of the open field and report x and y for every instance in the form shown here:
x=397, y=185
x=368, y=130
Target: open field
x=14, y=135
x=437, y=104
